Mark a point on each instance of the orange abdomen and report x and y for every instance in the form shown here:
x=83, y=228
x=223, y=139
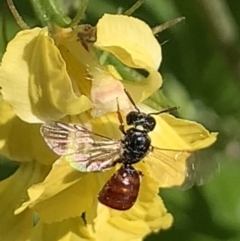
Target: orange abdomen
x=121, y=190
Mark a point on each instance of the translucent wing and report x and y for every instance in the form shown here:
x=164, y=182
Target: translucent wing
x=201, y=167
x=180, y=168
x=85, y=150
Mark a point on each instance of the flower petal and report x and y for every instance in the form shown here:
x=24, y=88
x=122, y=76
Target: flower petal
x=39, y=80
x=133, y=43
x=129, y=39
x=178, y=134
x=13, y=192
x=20, y=141
x=157, y=217
x=98, y=83
x=142, y=90
x=63, y=187
x=192, y=132
x=103, y=80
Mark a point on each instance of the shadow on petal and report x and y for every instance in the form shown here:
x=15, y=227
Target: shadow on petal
x=67, y=230
x=20, y=141
x=65, y=193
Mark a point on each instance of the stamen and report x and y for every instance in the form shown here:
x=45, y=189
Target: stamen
x=134, y=7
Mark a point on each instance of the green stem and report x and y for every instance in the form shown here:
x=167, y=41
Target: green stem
x=135, y=6
x=16, y=15
x=80, y=13
x=4, y=31
x=40, y=11
x=56, y=13
x=50, y=11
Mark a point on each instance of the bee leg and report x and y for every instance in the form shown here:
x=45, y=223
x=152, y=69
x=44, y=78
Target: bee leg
x=140, y=173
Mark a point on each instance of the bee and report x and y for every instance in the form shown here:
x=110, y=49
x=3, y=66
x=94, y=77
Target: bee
x=91, y=152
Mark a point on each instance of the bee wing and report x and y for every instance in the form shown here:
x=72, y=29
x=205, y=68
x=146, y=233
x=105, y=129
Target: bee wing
x=201, y=167
x=180, y=168
x=85, y=150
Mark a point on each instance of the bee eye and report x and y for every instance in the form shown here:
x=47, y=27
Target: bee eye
x=150, y=123
x=132, y=117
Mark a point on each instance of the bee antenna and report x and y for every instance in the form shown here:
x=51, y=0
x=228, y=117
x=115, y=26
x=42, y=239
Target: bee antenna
x=165, y=110
x=131, y=100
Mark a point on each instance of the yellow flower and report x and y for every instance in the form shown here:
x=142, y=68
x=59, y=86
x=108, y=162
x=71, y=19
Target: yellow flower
x=66, y=193
x=51, y=76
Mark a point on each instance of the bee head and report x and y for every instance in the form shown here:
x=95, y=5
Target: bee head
x=136, y=118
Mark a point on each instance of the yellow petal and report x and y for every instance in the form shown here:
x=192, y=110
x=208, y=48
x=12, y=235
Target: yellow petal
x=79, y=62
x=157, y=217
x=133, y=43
x=105, y=87
x=13, y=192
x=39, y=80
x=117, y=228
x=20, y=141
x=145, y=88
x=72, y=229
x=178, y=134
x=64, y=193
x=98, y=83
x=129, y=39
x=192, y=132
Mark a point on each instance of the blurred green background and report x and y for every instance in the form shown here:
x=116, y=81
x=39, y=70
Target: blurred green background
x=201, y=71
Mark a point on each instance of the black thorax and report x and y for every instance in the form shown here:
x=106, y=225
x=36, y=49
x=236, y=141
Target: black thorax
x=136, y=144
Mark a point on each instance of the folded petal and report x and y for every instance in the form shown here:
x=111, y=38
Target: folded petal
x=142, y=90
x=33, y=70
x=132, y=42
x=129, y=39
x=65, y=193
x=96, y=82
